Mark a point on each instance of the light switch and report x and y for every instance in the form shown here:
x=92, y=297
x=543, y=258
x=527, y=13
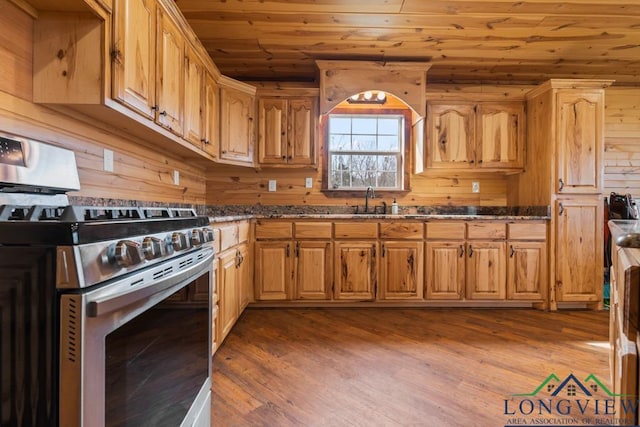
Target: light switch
x=176, y=177
x=108, y=160
x=272, y=185
x=475, y=187
x=308, y=182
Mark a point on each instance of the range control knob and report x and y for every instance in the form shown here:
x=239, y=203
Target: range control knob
x=179, y=241
x=197, y=237
x=207, y=235
x=128, y=253
x=153, y=248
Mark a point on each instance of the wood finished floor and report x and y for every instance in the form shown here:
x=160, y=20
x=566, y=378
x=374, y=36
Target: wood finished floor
x=397, y=367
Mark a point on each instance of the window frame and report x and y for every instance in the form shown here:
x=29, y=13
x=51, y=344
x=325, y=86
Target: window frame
x=405, y=152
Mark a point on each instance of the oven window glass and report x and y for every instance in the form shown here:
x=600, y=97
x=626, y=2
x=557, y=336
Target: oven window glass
x=157, y=363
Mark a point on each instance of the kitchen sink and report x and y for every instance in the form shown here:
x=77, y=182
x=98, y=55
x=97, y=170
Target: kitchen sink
x=625, y=232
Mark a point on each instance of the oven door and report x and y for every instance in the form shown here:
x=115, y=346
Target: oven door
x=133, y=354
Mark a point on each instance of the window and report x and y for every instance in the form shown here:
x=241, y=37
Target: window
x=366, y=150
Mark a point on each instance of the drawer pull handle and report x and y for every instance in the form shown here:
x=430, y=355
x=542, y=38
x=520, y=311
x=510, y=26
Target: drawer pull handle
x=561, y=209
x=561, y=182
x=470, y=251
x=461, y=251
x=513, y=252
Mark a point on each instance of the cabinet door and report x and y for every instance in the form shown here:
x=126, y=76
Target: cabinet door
x=486, y=270
x=580, y=141
x=211, y=116
x=236, y=126
x=445, y=270
x=527, y=270
x=134, y=54
x=245, y=277
x=228, y=294
x=355, y=270
x=500, y=135
x=170, y=83
x=450, y=136
x=401, y=265
x=193, y=81
x=272, y=131
x=579, y=247
x=273, y=270
x=301, y=131
x=313, y=272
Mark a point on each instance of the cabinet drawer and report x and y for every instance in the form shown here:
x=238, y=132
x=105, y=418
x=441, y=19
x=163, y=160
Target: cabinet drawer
x=313, y=230
x=445, y=230
x=273, y=230
x=228, y=236
x=527, y=231
x=486, y=230
x=356, y=230
x=401, y=230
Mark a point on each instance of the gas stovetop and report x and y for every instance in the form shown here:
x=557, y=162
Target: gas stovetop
x=76, y=225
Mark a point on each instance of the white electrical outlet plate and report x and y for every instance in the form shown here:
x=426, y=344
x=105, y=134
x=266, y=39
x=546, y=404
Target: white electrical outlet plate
x=176, y=177
x=475, y=187
x=308, y=182
x=272, y=185
x=108, y=160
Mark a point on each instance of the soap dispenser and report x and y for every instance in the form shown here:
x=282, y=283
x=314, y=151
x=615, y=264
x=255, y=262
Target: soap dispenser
x=394, y=207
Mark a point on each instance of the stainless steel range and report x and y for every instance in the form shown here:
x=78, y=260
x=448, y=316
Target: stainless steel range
x=105, y=312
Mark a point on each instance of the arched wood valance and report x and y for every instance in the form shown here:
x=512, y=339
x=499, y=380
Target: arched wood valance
x=341, y=79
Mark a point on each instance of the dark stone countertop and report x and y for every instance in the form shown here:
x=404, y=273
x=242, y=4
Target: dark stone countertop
x=240, y=212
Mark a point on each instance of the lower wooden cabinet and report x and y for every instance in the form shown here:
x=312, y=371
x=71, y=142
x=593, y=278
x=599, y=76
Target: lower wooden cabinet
x=312, y=270
x=527, y=273
x=486, y=270
x=273, y=270
x=445, y=270
x=355, y=274
x=290, y=269
x=245, y=277
x=401, y=270
x=228, y=292
x=579, y=250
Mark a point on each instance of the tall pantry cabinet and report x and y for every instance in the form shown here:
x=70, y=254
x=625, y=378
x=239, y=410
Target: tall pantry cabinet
x=565, y=138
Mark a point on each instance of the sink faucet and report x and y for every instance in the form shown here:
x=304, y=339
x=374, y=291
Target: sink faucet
x=366, y=198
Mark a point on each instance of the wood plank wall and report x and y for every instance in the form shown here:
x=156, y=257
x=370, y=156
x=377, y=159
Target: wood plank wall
x=145, y=173
x=141, y=172
x=622, y=141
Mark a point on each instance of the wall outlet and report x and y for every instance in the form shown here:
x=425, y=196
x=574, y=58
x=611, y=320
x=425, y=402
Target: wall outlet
x=272, y=185
x=108, y=160
x=475, y=187
x=176, y=177
x=308, y=182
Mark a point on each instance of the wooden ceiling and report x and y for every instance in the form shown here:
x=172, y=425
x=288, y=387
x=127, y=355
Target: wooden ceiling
x=466, y=40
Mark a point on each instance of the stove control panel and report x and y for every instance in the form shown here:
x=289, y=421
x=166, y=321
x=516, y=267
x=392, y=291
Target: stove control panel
x=126, y=255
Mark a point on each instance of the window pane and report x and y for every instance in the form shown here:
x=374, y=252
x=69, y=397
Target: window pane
x=363, y=143
x=340, y=125
x=339, y=142
x=388, y=143
x=387, y=163
x=364, y=125
x=387, y=179
x=365, y=149
x=388, y=126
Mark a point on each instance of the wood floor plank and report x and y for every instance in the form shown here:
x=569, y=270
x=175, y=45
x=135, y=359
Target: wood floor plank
x=396, y=367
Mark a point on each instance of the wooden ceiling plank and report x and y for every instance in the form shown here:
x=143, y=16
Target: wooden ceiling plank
x=353, y=6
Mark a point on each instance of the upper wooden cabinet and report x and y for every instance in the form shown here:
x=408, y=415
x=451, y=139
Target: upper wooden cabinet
x=579, y=129
x=142, y=69
x=465, y=135
x=286, y=131
x=194, y=98
x=170, y=75
x=211, y=117
x=237, y=111
x=134, y=55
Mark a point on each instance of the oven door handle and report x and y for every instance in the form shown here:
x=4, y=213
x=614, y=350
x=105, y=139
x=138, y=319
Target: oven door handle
x=116, y=299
